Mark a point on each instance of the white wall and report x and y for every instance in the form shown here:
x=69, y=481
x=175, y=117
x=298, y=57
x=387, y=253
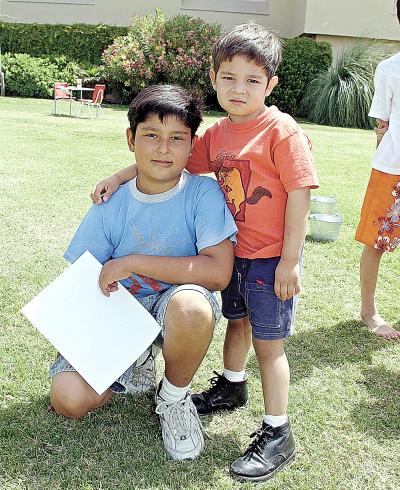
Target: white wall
x=353, y=18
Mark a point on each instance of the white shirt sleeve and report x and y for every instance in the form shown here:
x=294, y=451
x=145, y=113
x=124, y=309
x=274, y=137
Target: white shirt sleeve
x=381, y=102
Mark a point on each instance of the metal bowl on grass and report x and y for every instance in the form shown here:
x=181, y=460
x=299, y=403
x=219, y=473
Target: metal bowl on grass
x=323, y=204
x=325, y=227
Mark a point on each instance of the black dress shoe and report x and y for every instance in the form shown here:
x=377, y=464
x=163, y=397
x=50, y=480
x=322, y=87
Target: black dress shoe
x=222, y=395
x=271, y=450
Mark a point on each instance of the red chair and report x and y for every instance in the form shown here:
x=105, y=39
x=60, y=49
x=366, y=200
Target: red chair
x=61, y=92
x=95, y=101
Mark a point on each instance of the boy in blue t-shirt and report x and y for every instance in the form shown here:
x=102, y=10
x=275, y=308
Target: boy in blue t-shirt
x=167, y=236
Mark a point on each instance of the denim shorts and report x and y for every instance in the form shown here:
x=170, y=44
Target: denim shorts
x=156, y=304
x=251, y=293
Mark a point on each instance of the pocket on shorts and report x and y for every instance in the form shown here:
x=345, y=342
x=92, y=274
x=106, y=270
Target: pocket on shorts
x=264, y=306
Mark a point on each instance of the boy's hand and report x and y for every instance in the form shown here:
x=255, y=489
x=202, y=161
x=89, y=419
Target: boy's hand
x=104, y=189
x=287, y=279
x=114, y=270
x=380, y=130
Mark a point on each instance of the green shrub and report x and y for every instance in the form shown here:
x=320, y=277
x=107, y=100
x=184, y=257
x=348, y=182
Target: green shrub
x=34, y=77
x=159, y=50
x=303, y=59
x=134, y=61
x=178, y=50
x=79, y=42
x=342, y=95
x=189, y=45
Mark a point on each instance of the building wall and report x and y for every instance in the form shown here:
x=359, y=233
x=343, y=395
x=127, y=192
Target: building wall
x=337, y=20
x=339, y=43
x=352, y=18
x=276, y=14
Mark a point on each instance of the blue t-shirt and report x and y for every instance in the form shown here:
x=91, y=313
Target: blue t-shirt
x=180, y=222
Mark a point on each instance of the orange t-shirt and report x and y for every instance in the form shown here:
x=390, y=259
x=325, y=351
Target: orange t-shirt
x=256, y=164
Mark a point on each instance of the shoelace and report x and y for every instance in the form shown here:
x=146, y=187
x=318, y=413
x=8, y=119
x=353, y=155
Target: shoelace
x=143, y=374
x=180, y=414
x=262, y=436
x=216, y=382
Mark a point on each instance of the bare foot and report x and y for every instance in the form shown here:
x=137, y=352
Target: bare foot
x=379, y=327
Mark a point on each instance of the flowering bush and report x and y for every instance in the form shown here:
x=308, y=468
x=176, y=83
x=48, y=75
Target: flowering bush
x=189, y=45
x=156, y=50
x=134, y=61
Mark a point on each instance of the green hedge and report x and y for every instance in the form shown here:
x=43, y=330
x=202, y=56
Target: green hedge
x=27, y=76
x=80, y=42
x=303, y=59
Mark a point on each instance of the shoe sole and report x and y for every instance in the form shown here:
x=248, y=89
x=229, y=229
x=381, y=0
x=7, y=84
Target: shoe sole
x=227, y=408
x=269, y=475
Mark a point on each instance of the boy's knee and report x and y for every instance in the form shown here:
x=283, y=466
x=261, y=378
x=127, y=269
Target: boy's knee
x=71, y=397
x=68, y=406
x=190, y=308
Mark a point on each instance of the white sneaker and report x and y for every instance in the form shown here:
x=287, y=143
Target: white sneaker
x=143, y=376
x=181, y=428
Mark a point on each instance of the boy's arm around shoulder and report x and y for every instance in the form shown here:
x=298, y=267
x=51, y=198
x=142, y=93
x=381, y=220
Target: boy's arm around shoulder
x=215, y=233
x=106, y=187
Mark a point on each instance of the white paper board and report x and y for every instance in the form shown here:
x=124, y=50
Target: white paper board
x=99, y=336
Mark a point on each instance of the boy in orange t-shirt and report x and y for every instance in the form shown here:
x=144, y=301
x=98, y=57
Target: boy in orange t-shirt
x=264, y=167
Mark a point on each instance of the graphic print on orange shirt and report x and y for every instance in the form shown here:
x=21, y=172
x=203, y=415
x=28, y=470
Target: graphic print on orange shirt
x=233, y=177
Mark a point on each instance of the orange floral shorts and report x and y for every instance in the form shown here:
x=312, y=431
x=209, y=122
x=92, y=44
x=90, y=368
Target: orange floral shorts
x=379, y=225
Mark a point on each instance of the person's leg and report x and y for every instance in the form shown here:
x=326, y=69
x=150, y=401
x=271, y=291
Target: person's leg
x=273, y=445
x=369, y=267
x=237, y=344
x=229, y=391
x=72, y=397
x=275, y=375
x=188, y=322
x=189, y=325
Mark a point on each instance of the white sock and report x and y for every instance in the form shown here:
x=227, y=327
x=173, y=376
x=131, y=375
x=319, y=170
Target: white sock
x=234, y=376
x=275, y=420
x=171, y=393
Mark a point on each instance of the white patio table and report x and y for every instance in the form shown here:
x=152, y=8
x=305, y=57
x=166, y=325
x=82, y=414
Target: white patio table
x=73, y=88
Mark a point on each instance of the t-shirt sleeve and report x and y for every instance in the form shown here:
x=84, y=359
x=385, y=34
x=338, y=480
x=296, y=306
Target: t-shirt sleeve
x=90, y=235
x=380, y=106
x=213, y=220
x=199, y=160
x=294, y=162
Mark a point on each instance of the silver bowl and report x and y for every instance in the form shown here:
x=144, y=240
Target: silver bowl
x=325, y=227
x=323, y=204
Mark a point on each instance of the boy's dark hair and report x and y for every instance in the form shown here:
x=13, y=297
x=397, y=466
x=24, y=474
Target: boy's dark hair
x=164, y=101
x=398, y=9
x=254, y=42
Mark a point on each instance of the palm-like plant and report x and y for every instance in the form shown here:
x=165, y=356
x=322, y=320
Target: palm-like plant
x=342, y=95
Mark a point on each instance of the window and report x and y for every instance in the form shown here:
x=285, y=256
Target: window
x=242, y=6
x=75, y=2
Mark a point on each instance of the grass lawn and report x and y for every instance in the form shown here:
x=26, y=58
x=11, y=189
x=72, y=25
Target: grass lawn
x=345, y=388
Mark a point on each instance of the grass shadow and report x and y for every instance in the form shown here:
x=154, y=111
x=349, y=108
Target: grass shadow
x=379, y=415
x=117, y=446
x=345, y=342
